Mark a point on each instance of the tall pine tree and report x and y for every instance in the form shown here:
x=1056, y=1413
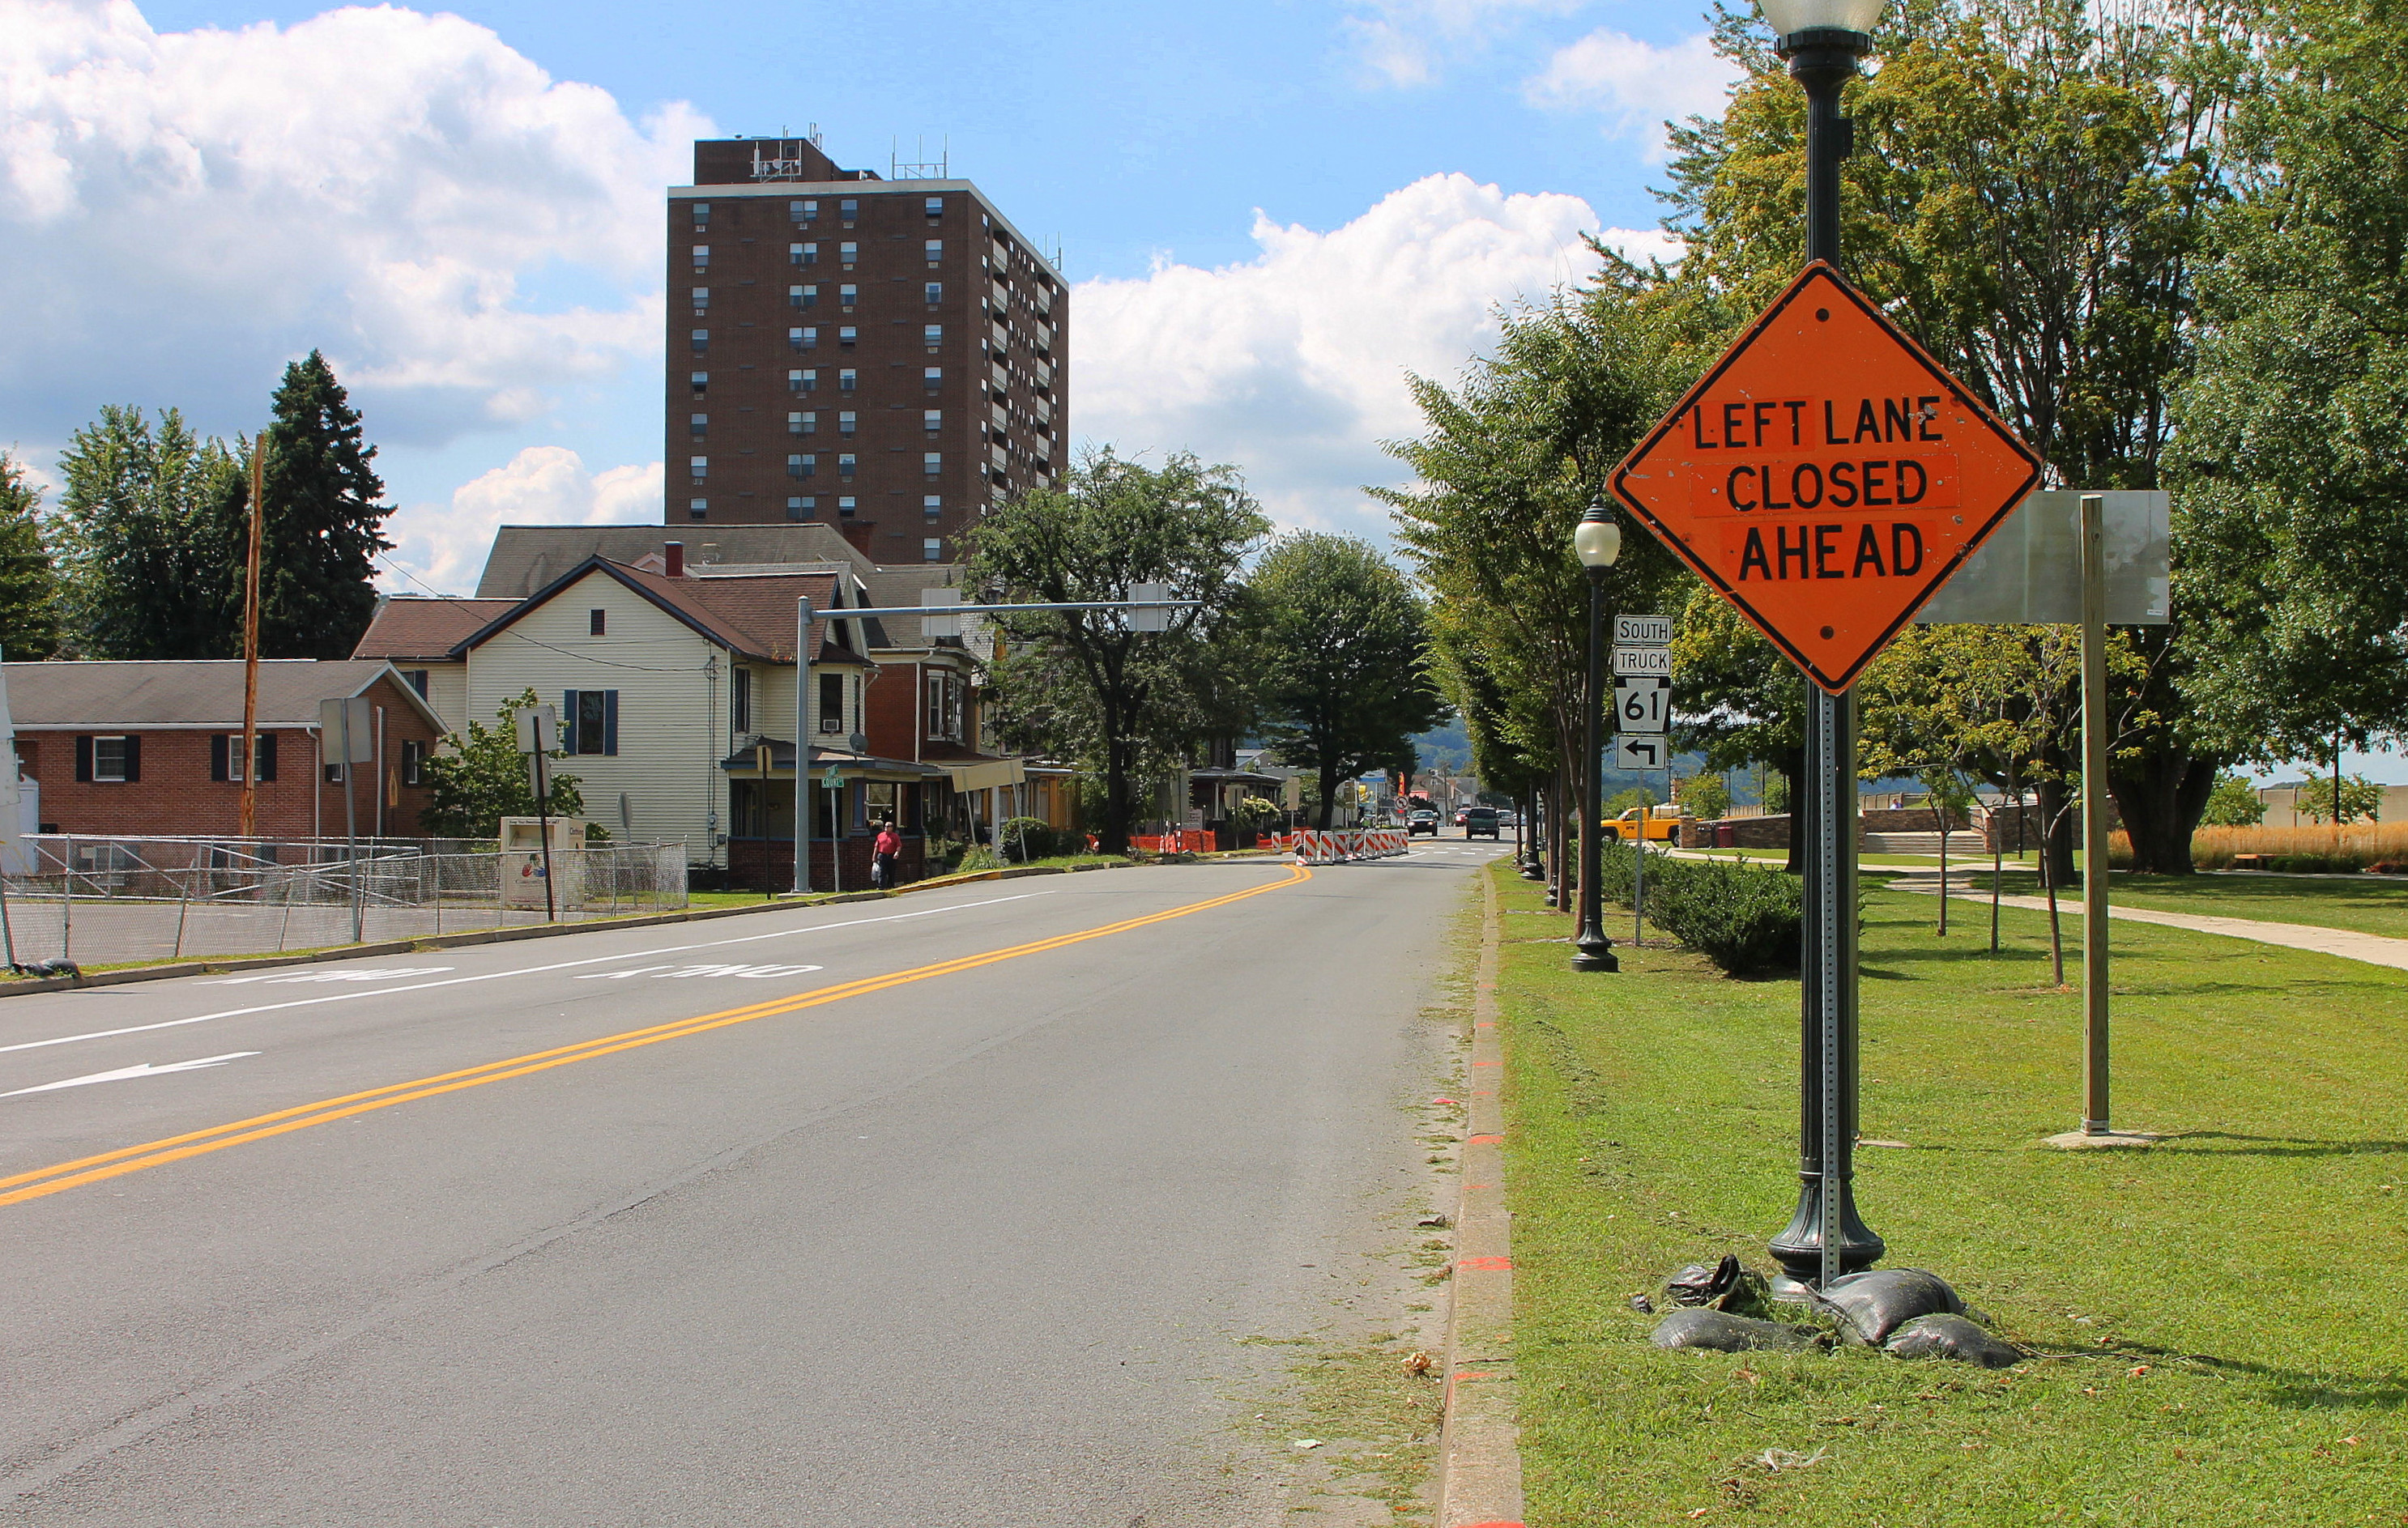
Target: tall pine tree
x=29, y=589
x=323, y=521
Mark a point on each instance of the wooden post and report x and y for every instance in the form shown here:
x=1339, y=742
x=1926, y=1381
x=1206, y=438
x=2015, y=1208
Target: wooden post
x=250, y=825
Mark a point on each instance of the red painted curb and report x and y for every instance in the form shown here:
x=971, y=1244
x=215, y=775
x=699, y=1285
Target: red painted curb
x=1486, y=1263
x=1482, y=1140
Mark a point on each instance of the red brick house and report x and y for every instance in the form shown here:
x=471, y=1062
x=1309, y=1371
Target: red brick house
x=156, y=748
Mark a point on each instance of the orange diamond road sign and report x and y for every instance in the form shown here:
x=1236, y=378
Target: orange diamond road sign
x=1826, y=477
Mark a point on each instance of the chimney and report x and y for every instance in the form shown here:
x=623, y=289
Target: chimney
x=857, y=532
x=673, y=559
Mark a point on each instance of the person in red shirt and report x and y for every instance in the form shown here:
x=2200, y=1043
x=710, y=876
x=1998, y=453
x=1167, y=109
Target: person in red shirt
x=889, y=845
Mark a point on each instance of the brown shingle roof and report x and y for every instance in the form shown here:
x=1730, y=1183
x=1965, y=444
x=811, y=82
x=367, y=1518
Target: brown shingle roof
x=527, y=558
x=755, y=615
x=409, y=626
x=206, y=691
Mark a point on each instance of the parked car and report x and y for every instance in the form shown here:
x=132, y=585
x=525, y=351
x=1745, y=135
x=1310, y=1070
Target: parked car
x=1480, y=822
x=1423, y=820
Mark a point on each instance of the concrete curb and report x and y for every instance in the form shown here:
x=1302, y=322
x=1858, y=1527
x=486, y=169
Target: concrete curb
x=509, y=935
x=1480, y=1458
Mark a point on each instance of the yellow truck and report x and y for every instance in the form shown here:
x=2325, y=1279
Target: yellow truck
x=1654, y=826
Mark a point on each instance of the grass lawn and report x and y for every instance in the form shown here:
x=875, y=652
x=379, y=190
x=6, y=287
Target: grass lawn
x=1904, y=862
x=2218, y=1321
x=2368, y=904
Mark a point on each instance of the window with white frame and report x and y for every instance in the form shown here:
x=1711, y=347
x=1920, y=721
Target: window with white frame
x=831, y=707
x=944, y=703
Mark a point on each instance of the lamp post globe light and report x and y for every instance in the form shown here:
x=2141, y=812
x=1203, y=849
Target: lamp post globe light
x=1825, y=42
x=1596, y=541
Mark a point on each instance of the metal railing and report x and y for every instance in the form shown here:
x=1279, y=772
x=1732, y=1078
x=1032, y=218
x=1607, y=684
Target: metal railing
x=106, y=900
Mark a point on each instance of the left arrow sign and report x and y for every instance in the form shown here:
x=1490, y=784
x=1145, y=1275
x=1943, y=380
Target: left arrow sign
x=145, y=1069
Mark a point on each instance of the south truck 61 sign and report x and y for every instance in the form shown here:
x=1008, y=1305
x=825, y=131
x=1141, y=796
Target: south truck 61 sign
x=1826, y=477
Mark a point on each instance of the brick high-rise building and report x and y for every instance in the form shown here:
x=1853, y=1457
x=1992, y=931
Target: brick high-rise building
x=885, y=355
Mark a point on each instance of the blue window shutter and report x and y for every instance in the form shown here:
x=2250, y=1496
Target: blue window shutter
x=610, y=722
x=569, y=721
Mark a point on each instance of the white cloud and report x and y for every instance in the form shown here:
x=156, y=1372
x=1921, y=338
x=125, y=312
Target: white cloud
x=1637, y=86
x=1400, y=41
x=543, y=485
x=402, y=190
x=1293, y=365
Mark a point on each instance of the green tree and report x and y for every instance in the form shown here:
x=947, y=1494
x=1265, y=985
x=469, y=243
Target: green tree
x=1703, y=796
x=1085, y=683
x=2289, y=451
x=482, y=777
x=2032, y=197
x=2360, y=797
x=323, y=526
x=144, y=542
x=29, y=587
x=1741, y=701
x=1507, y=462
x=2233, y=804
x=1345, y=682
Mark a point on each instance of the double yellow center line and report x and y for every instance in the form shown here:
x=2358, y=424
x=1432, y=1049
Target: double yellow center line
x=134, y=1158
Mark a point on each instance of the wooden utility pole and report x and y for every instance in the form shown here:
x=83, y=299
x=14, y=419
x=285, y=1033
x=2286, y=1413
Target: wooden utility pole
x=250, y=643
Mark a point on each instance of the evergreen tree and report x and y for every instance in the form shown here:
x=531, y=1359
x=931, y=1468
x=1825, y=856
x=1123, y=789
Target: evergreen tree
x=323, y=521
x=148, y=569
x=29, y=588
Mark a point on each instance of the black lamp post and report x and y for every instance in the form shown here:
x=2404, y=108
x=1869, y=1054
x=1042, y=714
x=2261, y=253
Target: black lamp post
x=1825, y=41
x=1596, y=541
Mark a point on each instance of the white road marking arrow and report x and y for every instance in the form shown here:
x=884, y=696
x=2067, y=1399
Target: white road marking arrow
x=145, y=1069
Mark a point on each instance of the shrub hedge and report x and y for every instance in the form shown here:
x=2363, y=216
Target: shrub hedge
x=1744, y=917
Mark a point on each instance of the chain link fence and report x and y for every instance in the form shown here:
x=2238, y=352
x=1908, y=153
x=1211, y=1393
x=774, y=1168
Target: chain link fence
x=103, y=901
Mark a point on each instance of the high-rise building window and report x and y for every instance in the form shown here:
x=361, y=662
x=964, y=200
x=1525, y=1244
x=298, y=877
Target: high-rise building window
x=848, y=296
x=935, y=206
x=698, y=467
x=701, y=342
x=802, y=254
x=848, y=208
x=803, y=212
x=934, y=293
x=932, y=377
x=936, y=248
x=846, y=465
x=701, y=301
x=932, y=551
x=802, y=340
x=803, y=424
x=804, y=298
x=701, y=258
x=697, y=425
x=845, y=504
x=932, y=335
x=847, y=336
x=931, y=420
x=848, y=253
x=847, y=381
x=931, y=506
x=701, y=212
x=803, y=382
x=804, y=465
x=931, y=463
x=803, y=506
x=847, y=422
x=701, y=382
x=698, y=509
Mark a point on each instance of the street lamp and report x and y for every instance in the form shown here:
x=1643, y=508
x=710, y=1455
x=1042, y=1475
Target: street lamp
x=1825, y=41
x=1596, y=541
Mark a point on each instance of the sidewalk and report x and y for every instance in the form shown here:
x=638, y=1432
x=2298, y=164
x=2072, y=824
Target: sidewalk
x=2373, y=948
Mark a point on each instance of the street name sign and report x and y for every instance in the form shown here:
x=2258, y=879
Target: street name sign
x=1642, y=703
x=1635, y=750
x=1826, y=477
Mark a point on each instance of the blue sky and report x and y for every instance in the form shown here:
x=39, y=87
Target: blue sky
x=1271, y=211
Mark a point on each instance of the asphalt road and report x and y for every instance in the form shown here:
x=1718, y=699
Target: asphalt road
x=937, y=1211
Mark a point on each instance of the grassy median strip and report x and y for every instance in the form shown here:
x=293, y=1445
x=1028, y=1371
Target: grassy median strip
x=2215, y=1319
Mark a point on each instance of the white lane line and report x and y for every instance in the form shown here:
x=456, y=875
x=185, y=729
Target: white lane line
x=497, y=976
x=123, y=1073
